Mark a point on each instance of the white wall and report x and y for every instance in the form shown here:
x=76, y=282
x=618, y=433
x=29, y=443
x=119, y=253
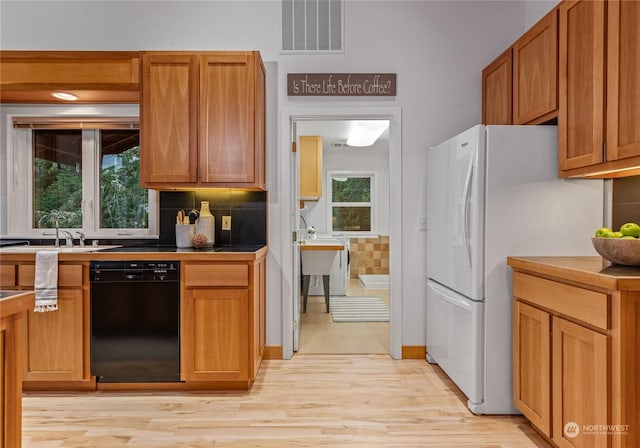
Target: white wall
x=534, y=10
x=437, y=48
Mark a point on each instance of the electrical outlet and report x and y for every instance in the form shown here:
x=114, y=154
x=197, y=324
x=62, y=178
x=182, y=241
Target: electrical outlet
x=424, y=224
x=226, y=223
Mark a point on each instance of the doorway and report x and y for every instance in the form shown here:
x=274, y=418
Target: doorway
x=349, y=159
x=290, y=117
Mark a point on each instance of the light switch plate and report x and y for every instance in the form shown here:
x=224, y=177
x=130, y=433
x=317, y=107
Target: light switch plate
x=226, y=223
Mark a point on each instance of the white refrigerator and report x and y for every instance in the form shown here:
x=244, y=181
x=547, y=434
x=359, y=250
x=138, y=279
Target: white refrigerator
x=492, y=192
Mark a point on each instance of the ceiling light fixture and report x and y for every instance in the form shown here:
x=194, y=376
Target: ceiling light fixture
x=64, y=96
x=365, y=133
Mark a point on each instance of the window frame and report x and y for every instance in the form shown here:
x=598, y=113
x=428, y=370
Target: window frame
x=372, y=203
x=19, y=179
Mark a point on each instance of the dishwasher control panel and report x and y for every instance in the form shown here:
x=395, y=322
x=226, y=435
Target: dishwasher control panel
x=119, y=271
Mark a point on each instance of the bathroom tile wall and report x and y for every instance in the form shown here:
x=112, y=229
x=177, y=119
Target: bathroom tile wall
x=626, y=201
x=248, y=211
x=369, y=256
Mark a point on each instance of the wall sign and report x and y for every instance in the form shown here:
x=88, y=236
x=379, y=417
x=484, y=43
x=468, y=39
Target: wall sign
x=341, y=84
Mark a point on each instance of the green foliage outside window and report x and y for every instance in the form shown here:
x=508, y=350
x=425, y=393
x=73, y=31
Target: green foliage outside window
x=353, y=189
x=124, y=203
x=351, y=208
x=58, y=184
x=57, y=195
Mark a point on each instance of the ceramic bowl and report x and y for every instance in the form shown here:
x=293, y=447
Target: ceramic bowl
x=624, y=251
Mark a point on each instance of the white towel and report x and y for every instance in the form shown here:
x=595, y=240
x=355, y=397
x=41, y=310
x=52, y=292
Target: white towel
x=46, y=281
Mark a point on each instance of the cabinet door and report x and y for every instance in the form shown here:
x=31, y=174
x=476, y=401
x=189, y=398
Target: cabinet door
x=215, y=335
x=310, y=167
x=169, y=125
x=535, y=72
x=497, y=89
x=623, y=80
x=227, y=119
x=581, y=92
x=580, y=391
x=54, y=341
x=531, y=364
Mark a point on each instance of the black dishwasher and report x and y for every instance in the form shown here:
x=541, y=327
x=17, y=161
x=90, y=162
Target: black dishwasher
x=135, y=321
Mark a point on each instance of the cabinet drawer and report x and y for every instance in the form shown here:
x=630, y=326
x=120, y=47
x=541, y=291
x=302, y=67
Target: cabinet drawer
x=216, y=275
x=68, y=275
x=8, y=275
x=582, y=304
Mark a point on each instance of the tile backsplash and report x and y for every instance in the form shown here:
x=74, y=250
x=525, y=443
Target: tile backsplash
x=248, y=211
x=369, y=256
x=626, y=201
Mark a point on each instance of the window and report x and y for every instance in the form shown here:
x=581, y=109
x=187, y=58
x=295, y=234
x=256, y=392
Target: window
x=352, y=202
x=81, y=173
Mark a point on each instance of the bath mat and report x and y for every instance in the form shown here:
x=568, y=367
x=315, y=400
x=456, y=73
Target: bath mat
x=359, y=309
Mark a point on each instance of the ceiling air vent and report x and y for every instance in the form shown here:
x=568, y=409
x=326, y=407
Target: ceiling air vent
x=338, y=143
x=312, y=26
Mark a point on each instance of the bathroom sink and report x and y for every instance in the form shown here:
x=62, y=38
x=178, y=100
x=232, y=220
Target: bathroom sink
x=319, y=254
x=62, y=249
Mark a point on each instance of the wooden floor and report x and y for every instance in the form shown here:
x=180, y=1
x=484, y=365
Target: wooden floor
x=309, y=401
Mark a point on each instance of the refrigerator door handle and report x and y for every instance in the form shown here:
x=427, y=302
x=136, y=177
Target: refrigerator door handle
x=467, y=215
x=451, y=299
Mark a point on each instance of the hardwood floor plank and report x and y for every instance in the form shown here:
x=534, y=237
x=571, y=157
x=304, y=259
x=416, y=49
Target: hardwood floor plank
x=308, y=401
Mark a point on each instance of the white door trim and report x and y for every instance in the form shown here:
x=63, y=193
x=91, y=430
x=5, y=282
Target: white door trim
x=329, y=112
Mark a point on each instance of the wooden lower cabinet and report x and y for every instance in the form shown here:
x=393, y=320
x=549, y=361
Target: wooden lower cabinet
x=532, y=364
x=11, y=326
x=54, y=341
x=216, y=335
x=579, y=376
x=575, y=371
x=222, y=323
x=222, y=320
x=561, y=377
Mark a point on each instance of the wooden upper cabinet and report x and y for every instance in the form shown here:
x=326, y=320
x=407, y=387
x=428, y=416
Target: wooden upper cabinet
x=581, y=117
x=623, y=80
x=535, y=72
x=93, y=76
x=203, y=120
x=310, y=167
x=228, y=118
x=169, y=124
x=497, y=90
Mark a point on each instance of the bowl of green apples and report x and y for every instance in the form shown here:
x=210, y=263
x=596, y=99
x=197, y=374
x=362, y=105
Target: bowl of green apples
x=619, y=247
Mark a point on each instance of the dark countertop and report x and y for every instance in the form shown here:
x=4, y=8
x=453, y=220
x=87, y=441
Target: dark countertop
x=240, y=253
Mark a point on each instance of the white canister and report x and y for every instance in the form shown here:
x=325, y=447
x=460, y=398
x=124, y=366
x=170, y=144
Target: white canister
x=206, y=223
x=184, y=233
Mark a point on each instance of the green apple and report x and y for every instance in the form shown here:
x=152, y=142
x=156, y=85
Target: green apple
x=616, y=235
x=630, y=229
x=629, y=237
x=603, y=232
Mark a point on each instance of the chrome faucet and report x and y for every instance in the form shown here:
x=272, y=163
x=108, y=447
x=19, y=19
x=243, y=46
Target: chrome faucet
x=68, y=238
x=82, y=238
